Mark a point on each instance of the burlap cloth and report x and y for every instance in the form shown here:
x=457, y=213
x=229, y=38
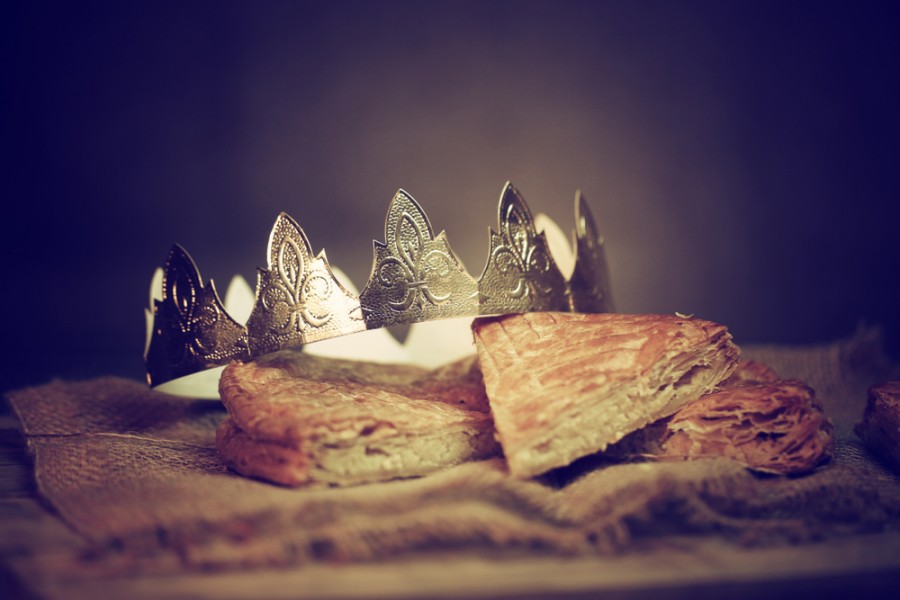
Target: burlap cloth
x=136, y=473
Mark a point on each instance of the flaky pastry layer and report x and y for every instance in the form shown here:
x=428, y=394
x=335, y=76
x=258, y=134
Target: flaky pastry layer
x=564, y=385
x=298, y=419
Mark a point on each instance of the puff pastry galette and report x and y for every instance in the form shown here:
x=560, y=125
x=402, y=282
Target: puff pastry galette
x=565, y=385
x=298, y=419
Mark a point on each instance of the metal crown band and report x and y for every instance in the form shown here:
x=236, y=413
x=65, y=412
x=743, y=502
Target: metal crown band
x=415, y=277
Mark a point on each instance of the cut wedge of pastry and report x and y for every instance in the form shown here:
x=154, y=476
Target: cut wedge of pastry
x=880, y=427
x=773, y=427
x=297, y=419
x=565, y=385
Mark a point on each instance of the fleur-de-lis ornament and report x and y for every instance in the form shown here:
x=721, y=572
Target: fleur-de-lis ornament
x=191, y=330
x=415, y=275
x=520, y=274
x=298, y=298
x=590, y=285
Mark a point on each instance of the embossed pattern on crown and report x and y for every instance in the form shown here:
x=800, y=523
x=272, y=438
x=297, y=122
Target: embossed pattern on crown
x=298, y=298
x=191, y=330
x=520, y=275
x=415, y=277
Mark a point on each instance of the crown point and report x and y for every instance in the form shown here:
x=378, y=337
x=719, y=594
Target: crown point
x=415, y=277
x=191, y=329
x=584, y=219
x=590, y=283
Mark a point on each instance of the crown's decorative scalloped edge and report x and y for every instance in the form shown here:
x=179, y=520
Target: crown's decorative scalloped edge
x=416, y=277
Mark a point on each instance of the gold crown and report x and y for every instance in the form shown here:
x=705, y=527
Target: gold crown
x=415, y=277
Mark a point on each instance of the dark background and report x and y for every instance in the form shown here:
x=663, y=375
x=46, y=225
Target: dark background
x=741, y=157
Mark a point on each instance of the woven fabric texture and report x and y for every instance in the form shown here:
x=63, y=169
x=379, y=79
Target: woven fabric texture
x=136, y=473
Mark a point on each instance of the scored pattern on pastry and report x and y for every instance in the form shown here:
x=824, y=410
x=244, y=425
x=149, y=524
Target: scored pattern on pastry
x=565, y=385
x=295, y=419
x=415, y=277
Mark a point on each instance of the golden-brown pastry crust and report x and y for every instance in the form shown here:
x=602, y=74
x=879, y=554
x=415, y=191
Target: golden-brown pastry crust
x=771, y=427
x=272, y=461
x=564, y=385
x=749, y=372
x=343, y=422
x=880, y=427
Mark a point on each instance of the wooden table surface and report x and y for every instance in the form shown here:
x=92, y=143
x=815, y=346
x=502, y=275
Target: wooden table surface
x=851, y=567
